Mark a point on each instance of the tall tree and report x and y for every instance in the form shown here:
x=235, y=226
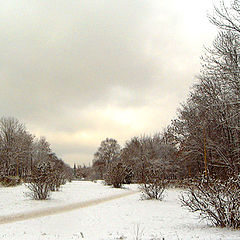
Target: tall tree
x=208, y=125
x=15, y=147
x=107, y=152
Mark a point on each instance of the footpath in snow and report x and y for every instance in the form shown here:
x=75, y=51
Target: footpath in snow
x=127, y=217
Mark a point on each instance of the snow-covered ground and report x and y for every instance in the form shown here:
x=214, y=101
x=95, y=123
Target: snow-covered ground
x=124, y=218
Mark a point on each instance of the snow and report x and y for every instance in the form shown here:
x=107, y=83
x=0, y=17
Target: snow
x=128, y=217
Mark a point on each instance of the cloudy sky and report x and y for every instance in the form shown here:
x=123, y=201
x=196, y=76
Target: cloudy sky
x=78, y=71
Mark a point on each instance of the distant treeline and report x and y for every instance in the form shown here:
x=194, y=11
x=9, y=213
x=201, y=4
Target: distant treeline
x=21, y=151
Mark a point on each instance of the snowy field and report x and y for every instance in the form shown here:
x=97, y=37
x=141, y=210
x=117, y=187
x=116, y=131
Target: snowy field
x=128, y=217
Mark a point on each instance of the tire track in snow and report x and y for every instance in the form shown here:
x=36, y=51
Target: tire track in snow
x=60, y=209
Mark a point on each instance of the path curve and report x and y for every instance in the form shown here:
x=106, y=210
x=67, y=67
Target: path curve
x=61, y=209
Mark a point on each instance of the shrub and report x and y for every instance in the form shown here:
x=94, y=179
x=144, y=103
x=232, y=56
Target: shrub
x=115, y=175
x=216, y=200
x=154, y=189
x=154, y=183
x=40, y=181
x=57, y=179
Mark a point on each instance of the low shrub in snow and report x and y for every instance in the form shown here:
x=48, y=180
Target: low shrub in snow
x=57, y=179
x=115, y=175
x=216, y=200
x=40, y=181
x=154, y=184
x=154, y=189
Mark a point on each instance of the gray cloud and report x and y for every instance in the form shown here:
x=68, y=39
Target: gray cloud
x=72, y=67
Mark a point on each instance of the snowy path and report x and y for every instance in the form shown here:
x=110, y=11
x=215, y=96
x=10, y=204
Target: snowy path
x=61, y=209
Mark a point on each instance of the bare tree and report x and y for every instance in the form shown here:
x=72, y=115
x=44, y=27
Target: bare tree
x=41, y=150
x=108, y=151
x=226, y=16
x=15, y=148
x=207, y=129
x=208, y=126
x=23, y=157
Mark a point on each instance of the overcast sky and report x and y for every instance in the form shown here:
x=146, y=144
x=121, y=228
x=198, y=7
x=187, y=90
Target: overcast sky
x=78, y=71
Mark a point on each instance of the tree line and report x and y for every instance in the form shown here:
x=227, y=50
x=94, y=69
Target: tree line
x=23, y=157
x=205, y=136
x=201, y=146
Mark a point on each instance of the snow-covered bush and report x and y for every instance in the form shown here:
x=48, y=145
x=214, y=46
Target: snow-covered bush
x=57, y=179
x=40, y=181
x=216, y=200
x=155, y=189
x=116, y=174
x=154, y=183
